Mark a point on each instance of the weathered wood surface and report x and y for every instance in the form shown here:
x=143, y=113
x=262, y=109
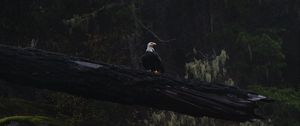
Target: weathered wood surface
x=78, y=76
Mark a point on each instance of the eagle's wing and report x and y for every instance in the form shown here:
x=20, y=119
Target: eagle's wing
x=159, y=62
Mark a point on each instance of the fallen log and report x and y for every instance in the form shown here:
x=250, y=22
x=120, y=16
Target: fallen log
x=83, y=77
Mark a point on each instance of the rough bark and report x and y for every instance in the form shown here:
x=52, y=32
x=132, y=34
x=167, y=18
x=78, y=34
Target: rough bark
x=78, y=76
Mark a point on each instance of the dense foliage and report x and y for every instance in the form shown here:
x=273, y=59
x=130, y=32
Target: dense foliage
x=260, y=38
x=259, y=35
x=286, y=109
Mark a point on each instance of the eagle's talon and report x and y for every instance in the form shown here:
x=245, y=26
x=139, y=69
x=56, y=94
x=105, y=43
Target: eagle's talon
x=156, y=72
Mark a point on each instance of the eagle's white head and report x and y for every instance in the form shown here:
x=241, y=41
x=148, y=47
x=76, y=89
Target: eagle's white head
x=150, y=47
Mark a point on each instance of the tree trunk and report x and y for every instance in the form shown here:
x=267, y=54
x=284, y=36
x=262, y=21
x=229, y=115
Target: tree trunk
x=78, y=76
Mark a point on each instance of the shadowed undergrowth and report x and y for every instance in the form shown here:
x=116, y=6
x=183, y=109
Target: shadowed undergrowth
x=29, y=121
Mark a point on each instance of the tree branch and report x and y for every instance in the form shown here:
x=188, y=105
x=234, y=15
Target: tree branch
x=154, y=34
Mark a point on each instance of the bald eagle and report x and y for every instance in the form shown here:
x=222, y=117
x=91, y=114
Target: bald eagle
x=151, y=60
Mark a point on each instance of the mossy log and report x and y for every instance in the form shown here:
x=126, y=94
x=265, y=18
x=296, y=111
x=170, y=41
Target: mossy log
x=120, y=84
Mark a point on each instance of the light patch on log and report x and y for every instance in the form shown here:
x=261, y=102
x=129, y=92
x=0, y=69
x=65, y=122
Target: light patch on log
x=88, y=64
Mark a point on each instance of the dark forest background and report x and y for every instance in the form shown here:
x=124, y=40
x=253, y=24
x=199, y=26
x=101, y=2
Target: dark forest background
x=261, y=38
